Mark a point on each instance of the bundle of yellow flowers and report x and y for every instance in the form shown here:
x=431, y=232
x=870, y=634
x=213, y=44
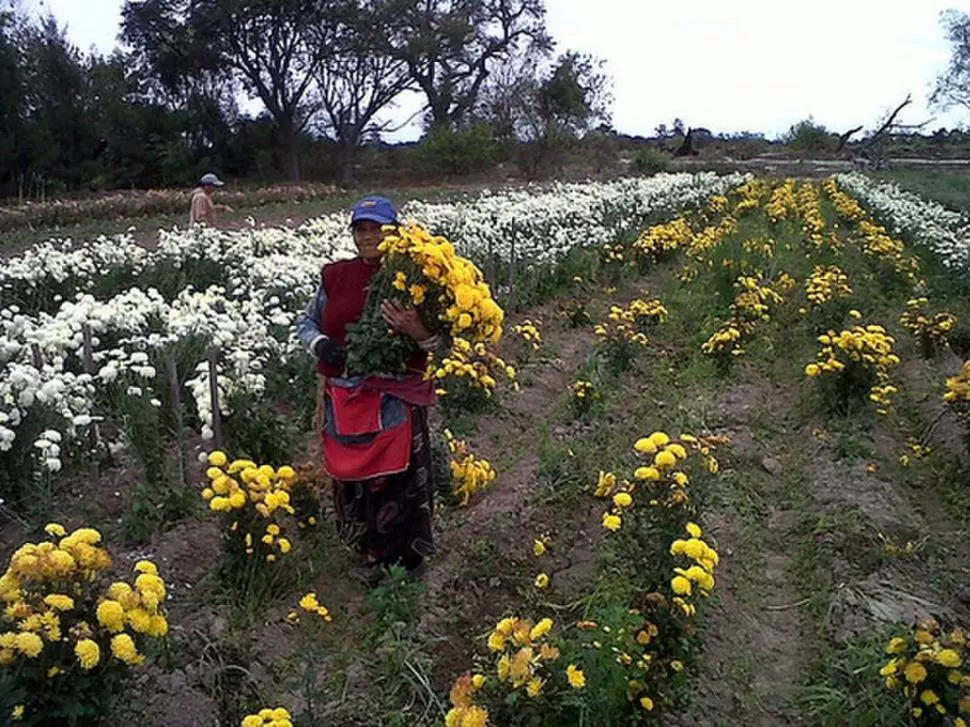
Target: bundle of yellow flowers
x=277, y=717
x=469, y=473
x=958, y=387
x=464, y=712
x=931, y=330
x=859, y=358
x=448, y=290
x=827, y=283
x=574, y=311
x=664, y=479
x=753, y=299
x=583, y=396
x=619, y=339
x=761, y=248
x=929, y=667
x=725, y=342
x=712, y=236
x=879, y=244
x=643, y=314
x=64, y=644
x=525, y=653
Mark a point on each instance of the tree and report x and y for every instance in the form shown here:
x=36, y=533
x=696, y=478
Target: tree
x=12, y=102
x=357, y=80
x=451, y=46
x=550, y=109
x=178, y=68
x=59, y=140
x=275, y=47
x=953, y=85
x=575, y=96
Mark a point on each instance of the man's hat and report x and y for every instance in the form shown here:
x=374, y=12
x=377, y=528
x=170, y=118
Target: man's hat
x=211, y=180
x=375, y=209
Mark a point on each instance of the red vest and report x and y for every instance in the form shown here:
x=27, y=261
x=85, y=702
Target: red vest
x=345, y=283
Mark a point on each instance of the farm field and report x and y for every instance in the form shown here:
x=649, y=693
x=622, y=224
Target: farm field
x=714, y=473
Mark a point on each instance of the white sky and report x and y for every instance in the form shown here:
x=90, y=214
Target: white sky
x=757, y=65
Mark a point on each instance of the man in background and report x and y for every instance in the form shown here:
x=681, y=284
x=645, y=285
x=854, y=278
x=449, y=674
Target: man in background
x=202, y=210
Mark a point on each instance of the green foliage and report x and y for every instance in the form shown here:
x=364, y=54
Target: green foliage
x=260, y=431
x=650, y=161
x=85, y=698
x=468, y=150
x=395, y=599
x=809, y=136
x=847, y=688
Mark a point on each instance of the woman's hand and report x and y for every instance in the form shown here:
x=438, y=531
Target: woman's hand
x=404, y=320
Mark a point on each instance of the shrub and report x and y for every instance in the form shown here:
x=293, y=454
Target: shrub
x=650, y=161
x=446, y=151
x=67, y=642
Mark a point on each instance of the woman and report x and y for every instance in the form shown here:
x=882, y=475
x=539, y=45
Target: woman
x=375, y=436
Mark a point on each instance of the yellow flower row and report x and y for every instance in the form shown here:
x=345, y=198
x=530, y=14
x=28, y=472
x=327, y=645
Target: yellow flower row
x=827, y=283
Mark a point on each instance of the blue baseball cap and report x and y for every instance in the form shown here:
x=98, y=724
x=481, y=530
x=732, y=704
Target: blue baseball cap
x=211, y=180
x=375, y=209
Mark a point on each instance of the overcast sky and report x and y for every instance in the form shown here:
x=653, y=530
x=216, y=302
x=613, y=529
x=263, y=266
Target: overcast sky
x=756, y=65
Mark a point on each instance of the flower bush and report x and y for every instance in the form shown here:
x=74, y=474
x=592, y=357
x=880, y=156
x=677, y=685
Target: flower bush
x=275, y=717
x=469, y=474
x=931, y=330
x=858, y=360
x=529, y=331
x=67, y=639
x=928, y=666
x=583, y=395
x=575, y=311
x=257, y=504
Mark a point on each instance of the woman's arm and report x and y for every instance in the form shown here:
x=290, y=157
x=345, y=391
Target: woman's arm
x=309, y=324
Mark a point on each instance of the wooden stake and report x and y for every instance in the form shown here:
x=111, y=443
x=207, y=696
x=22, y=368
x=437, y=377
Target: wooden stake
x=173, y=379
x=214, y=397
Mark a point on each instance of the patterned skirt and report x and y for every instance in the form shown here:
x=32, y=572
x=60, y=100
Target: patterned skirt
x=389, y=519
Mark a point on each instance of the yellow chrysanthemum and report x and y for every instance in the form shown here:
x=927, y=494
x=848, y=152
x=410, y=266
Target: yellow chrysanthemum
x=88, y=653
x=575, y=677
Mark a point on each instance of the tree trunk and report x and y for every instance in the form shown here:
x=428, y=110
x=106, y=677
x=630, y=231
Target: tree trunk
x=345, y=168
x=288, y=142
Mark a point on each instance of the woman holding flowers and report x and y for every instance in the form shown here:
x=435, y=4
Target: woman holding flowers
x=375, y=436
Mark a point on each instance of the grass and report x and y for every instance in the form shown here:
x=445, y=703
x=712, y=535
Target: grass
x=949, y=187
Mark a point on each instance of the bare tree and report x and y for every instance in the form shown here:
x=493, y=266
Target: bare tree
x=451, y=46
x=953, y=85
x=276, y=47
x=358, y=80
